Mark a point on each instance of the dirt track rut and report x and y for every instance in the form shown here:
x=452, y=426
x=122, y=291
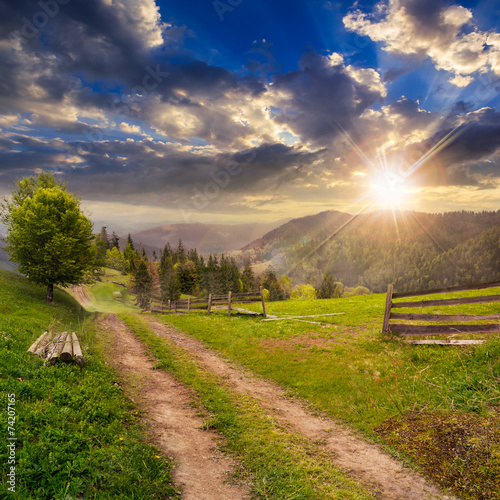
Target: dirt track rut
x=363, y=460
x=175, y=428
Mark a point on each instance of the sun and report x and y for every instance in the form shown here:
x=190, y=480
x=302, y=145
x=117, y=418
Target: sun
x=390, y=191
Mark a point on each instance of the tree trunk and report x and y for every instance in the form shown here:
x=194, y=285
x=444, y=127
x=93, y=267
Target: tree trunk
x=50, y=293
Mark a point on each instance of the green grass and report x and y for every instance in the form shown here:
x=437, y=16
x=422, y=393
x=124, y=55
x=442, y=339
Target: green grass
x=77, y=434
x=283, y=464
x=106, y=296
x=353, y=373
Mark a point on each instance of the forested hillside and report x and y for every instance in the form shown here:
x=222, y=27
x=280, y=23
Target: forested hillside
x=409, y=249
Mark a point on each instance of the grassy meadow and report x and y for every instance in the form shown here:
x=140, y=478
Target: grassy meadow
x=78, y=436
x=108, y=297
x=437, y=405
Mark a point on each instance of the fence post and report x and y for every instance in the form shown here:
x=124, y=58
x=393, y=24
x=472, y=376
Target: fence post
x=209, y=302
x=189, y=304
x=263, y=303
x=388, y=307
x=169, y=306
x=229, y=304
x=175, y=303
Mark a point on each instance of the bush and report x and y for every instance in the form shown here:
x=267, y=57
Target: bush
x=359, y=290
x=304, y=292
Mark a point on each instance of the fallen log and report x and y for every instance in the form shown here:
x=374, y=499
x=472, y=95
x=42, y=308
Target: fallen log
x=67, y=350
x=38, y=341
x=58, y=346
x=44, y=345
x=77, y=351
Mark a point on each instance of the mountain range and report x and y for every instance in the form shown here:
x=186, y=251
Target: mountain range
x=412, y=250
x=206, y=238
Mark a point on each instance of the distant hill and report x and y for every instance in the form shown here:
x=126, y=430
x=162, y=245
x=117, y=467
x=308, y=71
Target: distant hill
x=412, y=250
x=206, y=238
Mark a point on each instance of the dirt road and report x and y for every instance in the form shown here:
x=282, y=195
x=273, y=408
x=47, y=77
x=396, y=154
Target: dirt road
x=202, y=473
x=363, y=460
x=174, y=426
x=81, y=295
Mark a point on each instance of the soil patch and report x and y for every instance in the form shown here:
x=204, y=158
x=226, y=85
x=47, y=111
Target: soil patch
x=201, y=472
x=363, y=460
x=304, y=341
x=452, y=448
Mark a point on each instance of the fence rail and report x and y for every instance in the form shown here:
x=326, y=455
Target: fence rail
x=406, y=329
x=211, y=302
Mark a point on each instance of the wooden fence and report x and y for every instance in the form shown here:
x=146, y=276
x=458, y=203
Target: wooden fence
x=440, y=329
x=210, y=303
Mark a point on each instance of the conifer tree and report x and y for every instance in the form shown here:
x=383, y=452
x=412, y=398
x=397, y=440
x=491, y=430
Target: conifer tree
x=142, y=285
x=328, y=289
x=115, y=241
x=248, y=278
x=169, y=281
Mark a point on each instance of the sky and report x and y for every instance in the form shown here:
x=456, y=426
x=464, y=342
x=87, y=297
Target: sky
x=235, y=111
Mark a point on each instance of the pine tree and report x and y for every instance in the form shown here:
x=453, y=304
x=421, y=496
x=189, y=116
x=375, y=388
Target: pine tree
x=142, y=285
x=186, y=273
x=130, y=242
x=115, y=241
x=328, y=289
x=103, y=243
x=181, y=253
x=169, y=281
x=271, y=283
x=235, y=284
x=248, y=278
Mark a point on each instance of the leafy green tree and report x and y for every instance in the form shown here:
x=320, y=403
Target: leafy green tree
x=115, y=259
x=25, y=188
x=142, y=285
x=49, y=236
x=328, y=289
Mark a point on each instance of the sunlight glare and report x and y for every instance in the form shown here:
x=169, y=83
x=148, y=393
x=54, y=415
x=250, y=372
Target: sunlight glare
x=389, y=191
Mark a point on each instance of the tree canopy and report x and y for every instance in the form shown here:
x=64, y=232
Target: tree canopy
x=48, y=236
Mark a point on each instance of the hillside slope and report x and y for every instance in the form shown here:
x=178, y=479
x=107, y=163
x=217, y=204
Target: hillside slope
x=374, y=249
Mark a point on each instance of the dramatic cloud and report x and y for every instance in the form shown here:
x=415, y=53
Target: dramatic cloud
x=131, y=105
x=324, y=97
x=435, y=29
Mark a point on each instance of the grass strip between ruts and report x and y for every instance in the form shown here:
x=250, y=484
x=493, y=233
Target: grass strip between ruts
x=284, y=465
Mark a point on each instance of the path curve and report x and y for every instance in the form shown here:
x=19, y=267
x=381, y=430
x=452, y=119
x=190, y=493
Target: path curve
x=81, y=295
x=201, y=473
x=363, y=460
